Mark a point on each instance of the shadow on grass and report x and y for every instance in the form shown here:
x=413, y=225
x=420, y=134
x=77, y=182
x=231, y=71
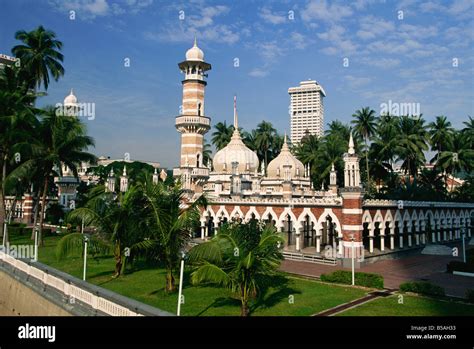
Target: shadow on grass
x=221, y=302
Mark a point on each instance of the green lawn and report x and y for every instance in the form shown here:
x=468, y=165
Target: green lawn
x=412, y=306
x=289, y=296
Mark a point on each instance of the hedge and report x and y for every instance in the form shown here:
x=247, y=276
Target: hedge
x=470, y=295
x=361, y=279
x=460, y=266
x=422, y=287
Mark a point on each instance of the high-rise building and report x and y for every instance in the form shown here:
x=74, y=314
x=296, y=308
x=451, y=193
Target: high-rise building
x=306, y=109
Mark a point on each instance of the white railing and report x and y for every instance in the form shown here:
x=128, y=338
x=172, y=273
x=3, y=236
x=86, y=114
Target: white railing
x=193, y=120
x=70, y=290
x=308, y=258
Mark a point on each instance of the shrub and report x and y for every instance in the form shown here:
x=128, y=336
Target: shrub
x=470, y=295
x=16, y=229
x=361, y=279
x=460, y=266
x=422, y=287
x=47, y=232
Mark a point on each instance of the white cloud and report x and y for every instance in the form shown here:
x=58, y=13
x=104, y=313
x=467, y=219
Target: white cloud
x=90, y=9
x=356, y=82
x=338, y=42
x=268, y=16
x=322, y=11
x=371, y=27
x=259, y=72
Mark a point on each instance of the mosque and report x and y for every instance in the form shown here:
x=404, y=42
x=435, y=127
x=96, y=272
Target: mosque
x=319, y=225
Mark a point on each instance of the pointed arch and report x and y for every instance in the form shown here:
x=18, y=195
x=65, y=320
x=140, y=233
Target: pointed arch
x=251, y=210
x=235, y=211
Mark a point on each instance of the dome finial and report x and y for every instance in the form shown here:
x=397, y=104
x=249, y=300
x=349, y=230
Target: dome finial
x=72, y=91
x=195, y=40
x=351, y=144
x=236, y=119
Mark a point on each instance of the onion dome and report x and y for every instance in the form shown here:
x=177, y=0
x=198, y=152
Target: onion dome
x=195, y=53
x=70, y=100
x=276, y=168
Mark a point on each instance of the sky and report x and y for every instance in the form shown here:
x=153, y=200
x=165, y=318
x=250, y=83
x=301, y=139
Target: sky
x=123, y=55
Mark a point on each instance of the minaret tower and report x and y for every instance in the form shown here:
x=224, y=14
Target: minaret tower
x=192, y=123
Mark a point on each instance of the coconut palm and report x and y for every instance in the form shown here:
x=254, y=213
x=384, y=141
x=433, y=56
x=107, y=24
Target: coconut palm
x=468, y=131
x=168, y=221
x=411, y=142
x=240, y=257
x=364, y=126
x=441, y=135
x=222, y=135
x=60, y=140
x=265, y=135
x=206, y=153
x=116, y=219
x=39, y=55
x=460, y=157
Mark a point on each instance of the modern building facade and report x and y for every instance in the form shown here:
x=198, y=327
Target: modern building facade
x=307, y=110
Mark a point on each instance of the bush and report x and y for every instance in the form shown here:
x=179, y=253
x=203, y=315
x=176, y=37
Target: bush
x=361, y=279
x=47, y=232
x=470, y=295
x=422, y=287
x=17, y=229
x=460, y=266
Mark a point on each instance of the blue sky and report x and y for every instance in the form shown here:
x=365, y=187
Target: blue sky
x=405, y=57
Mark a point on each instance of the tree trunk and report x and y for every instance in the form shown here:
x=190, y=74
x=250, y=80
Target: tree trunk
x=244, y=308
x=43, y=209
x=35, y=214
x=3, y=213
x=170, y=286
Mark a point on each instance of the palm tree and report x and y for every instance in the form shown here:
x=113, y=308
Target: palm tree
x=468, y=131
x=116, y=219
x=411, y=143
x=221, y=137
x=17, y=121
x=364, y=126
x=169, y=221
x=460, y=157
x=206, y=153
x=60, y=140
x=441, y=134
x=39, y=55
x=265, y=134
x=240, y=257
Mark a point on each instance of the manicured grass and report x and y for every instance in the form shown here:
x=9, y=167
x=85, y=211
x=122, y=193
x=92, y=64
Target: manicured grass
x=411, y=306
x=289, y=297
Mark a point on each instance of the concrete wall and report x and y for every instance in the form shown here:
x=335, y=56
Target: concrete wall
x=17, y=299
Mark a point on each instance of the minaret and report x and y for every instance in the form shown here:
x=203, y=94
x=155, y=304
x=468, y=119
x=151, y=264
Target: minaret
x=192, y=123
x=352, y=209
x=333, y=180
x=124, y=180
x=110, y=186
x=155, y=177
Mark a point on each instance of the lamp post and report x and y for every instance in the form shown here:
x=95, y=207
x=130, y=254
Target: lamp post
x=463, y=244
x=36, y=244
x=5, y=232
x=353, y=259
x=86, y=239
x=180, y=293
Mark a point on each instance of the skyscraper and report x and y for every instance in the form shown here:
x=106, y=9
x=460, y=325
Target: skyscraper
x=306, y=109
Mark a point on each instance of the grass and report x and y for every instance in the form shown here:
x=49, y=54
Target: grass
x=411, y=306
x=290, y=296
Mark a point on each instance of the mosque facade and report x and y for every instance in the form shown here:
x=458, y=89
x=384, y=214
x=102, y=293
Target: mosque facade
x=319, y=225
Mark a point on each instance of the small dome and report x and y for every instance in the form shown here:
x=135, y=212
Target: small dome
x=70, y=100
x=236, y=150
x=195, y=53
x=275, y=167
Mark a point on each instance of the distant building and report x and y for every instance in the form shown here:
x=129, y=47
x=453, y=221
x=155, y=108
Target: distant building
x=6, y=60
x=306, y=109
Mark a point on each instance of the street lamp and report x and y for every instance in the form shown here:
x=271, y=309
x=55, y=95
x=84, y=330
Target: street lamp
x=463, y=233
x=36, y=244
x=353, y=259
x=86, y=240
x=183, y=256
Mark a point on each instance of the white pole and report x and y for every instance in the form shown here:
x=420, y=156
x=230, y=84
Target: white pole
x=36, y=244
x=353, y=266
x=463, y=247
x=180, y=287
x=82, y=226
x=4, y=234
x=85, y=260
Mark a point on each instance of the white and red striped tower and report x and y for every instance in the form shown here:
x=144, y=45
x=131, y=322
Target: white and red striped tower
x=192, y=122
x=352, y=195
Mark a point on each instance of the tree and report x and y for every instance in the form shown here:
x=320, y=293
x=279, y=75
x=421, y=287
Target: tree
x=39, y=55
x=265, y=135
x=60, y=140
x=206, y=153
x=441, y=135
x=222, y=135
x=364, y=126
x=241, y=257
x=411, y=142
x=116, y=219
x=168, y=221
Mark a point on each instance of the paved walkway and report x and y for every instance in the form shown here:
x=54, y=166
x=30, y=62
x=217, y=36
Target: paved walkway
x=396, y=271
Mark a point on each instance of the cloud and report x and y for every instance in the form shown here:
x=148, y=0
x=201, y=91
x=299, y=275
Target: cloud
x=259, y=72
x=320, y=10
x=356, y=82
x=90, y=9
x=268, y=16
x=371, y=27
x=338, y=41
